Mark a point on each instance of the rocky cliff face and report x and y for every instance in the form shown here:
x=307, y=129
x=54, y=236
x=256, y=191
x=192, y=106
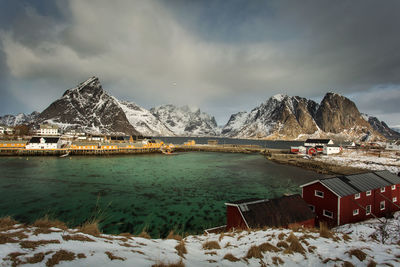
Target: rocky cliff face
x=288, y=117
x=381, y=127
x=185, y=121
x=90, y=108
x=21, y=118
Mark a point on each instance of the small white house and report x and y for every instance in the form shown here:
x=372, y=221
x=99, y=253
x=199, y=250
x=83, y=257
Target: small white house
x=318, y=142
x=48, y=129
x=2, y=129
x=328, y=150
x=44, y=142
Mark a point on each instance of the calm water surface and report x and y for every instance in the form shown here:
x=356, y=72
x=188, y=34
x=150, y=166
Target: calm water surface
x=185, y=192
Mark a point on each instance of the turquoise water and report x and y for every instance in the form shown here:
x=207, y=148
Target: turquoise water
x=185, y=192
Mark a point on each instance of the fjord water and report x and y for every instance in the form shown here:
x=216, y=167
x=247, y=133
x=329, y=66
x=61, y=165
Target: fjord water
x=185, y=192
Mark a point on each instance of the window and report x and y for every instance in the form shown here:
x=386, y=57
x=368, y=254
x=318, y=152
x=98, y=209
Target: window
x=319, y=193
x=382, y=189
x=382, y=205
x=368, y=210
x=368, y=193
x=394, y=199
x=357, y=196
x=355, y=212
x=328, y=213
x=312, y=207
x=394, y=187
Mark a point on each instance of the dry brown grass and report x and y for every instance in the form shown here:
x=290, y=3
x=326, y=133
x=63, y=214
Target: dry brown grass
x=77, y=238
x=358, y=253
x=81, y=256
x=38, y=257
x=346, y=237
x=324, y=231
x=113, y=257
x=90, y=228
x=128, y=235
x=212, y=253
x=277, y=260
x=172, y=235
x=281, y=236
x=254, y=252
x=11, y=237
x=181, y=249
x=144, y=234
x=61, y=255
x=7, y=223
x=347, y=264
x=211, y=245
x=162, y=264
x=13, y=257
x=46, y=222
x=296, y=227
x=264, y=247
x=294, y=245
x=35, y=244
x=282, y=244
x=230, y=257
x=371, y=263
x=311, y=249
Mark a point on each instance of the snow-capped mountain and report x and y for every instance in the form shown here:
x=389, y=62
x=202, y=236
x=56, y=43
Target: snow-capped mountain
x=186, y=121
x=144, y=121
x=21, y=118
x=381, y=127
x=88, y=107
x=293, y=117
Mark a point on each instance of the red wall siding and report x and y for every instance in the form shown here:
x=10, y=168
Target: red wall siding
x=329, y=202
x=234, y=218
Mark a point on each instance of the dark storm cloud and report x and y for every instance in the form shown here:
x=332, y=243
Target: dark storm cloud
x=221, y=55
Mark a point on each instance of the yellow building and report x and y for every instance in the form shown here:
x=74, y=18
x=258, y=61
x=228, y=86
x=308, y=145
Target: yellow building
x=190, y=143
x=109, y=146
x=12, y=144
x=84, y=146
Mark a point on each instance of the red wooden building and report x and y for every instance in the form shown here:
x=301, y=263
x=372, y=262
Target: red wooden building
x=278, y=212
x=353, y=198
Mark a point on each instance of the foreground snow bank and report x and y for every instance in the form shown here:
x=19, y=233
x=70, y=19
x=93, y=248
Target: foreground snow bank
x=365, y=160
x=350, y=245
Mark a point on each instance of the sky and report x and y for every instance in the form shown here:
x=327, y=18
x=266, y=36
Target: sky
x=221, y=56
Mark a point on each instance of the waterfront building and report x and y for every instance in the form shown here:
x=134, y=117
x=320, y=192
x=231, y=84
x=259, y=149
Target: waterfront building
x=84, y=145
x=44, y=142
x=12, y=144
x=352, y=198
x=331, y=149
x=278, y=212
x=318, y=142
x=48, y=130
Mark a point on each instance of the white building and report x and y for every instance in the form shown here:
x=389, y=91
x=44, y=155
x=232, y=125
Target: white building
x=44, y=142
x=318, y=142
x=393, y=146
x=2, y=129
x=328, y=150
x=48, y=129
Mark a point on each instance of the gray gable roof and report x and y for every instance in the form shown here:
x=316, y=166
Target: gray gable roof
x=357, y=183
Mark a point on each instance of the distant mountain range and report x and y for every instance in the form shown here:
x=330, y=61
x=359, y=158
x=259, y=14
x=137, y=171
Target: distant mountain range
x=89, y=108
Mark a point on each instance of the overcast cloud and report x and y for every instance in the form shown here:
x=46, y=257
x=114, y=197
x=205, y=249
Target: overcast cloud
x=222, y=56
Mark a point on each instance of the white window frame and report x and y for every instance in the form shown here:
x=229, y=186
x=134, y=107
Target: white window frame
x=357, y=196
x=383, y=189
x=394, y=199
x=382, y=207
x=368, y=212
x=312, y=207
x=356, y=212
x=326, y=215
x=368, y=193
x=317, y=191
x=394, y=187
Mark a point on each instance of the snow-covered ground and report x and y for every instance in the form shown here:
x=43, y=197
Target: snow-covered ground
x=350, y=245
x=365, y=160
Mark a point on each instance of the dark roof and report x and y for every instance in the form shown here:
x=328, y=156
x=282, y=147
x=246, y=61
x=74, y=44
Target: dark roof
x=276, y=212
x=357, y=183
x=36, y=139
x=119, y=138
x=318, y=141
x=247, y=200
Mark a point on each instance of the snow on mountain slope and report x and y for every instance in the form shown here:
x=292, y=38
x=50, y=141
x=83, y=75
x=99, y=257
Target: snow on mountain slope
x=381, y=127
x=186, y=121
x=143, y=120
x=21, y=118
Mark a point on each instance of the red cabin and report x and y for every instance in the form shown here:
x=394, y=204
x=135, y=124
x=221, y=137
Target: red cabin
x=353, y=198
x=278, y=212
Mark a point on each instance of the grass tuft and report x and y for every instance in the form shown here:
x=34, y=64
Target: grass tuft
x=295, y=245
x=90, y=228
x=358, y=253
x=264, y=247
x=38, y=257
x=231, y=258
x=113, y=257
x=277, y=260
x=254, y=252
x=77, y=238
x=172, y=235
x=144, y=234
x=162, y=264
x=181, y=249
x=211, y=245
x=7, y=223
x=282, y=244
x=46, y=223
x=35, y=244
x=61, y=255
x=324, y=230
